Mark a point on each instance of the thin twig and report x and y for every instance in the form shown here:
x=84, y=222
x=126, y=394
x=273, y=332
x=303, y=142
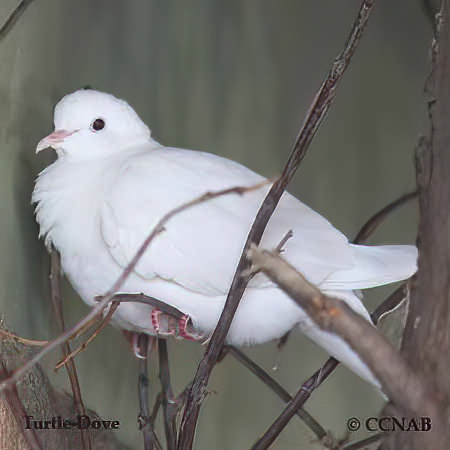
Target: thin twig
x=312, y=423
x=14, y=17
x=390, y=303
x=168, y=403
x=280, y=346
x=314, y=118
x=82, y=347
x=283, y=241
x=292, y=407
x=145, y=424
x=156, y=407
x=108, y=297
x=372, y=224
x=30, y=342
x=55, y=286
x=150, y=433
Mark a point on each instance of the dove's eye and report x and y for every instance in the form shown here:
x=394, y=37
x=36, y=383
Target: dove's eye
x=98, y=124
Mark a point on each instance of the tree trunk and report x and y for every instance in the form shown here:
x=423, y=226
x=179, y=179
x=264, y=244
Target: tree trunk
x=426, y=340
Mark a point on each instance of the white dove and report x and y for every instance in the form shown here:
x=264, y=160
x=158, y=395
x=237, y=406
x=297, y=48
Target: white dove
x=112, y=183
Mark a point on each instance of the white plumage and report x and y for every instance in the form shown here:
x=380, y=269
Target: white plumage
x=112, y=183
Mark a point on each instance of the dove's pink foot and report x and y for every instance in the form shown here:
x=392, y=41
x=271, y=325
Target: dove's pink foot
x=183, y=329
x=165, y=325
x=157, y=323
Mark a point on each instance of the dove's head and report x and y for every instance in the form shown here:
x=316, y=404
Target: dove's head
x=91, y=124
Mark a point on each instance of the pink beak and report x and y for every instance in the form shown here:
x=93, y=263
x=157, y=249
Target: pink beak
x=53, y=140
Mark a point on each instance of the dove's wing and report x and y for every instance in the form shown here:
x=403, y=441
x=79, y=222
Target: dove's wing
x=200, y=247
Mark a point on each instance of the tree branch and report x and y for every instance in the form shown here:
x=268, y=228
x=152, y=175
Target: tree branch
x=317, y=112
x=312, y=423
x=168, y=403
x=293, y=406
x=146, y=424
x=373, y=223
x=13, y=18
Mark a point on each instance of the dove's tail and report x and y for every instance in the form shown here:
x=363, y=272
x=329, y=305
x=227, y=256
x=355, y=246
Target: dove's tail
x=375, y=266
x=341, y=351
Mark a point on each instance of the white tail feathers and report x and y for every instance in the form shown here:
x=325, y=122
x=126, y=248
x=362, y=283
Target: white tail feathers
x=375, y=266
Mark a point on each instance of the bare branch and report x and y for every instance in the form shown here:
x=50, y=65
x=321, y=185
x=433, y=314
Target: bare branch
x=317, y=112
x=372, y=224
x=391, y=302
x=103, y=322
x=406, y=389
x=14, y=17
x=283, y=241
x=312, y=423
x=144, y=419
x=29, y=342
x=151, y=301
x=168, y=403
x=293, y=406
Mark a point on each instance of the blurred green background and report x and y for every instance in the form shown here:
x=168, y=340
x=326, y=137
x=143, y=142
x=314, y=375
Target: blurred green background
x=233, y=78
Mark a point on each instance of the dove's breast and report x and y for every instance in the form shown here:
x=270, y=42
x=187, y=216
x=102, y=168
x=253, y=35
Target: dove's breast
x=68, y=198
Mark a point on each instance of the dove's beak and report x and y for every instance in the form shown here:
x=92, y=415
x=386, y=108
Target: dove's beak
x=53, y=140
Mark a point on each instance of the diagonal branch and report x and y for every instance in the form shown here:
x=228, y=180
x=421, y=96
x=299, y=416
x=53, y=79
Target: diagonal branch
x=372, y=224
x=312, y=423
x=69, y=357
x=14, y=17
x=295, y=404
x=317, y=112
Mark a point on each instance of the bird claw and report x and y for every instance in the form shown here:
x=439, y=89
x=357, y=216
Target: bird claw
x=141, y=343
x=183, y=329
x=166, y=325
x=162, y=328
